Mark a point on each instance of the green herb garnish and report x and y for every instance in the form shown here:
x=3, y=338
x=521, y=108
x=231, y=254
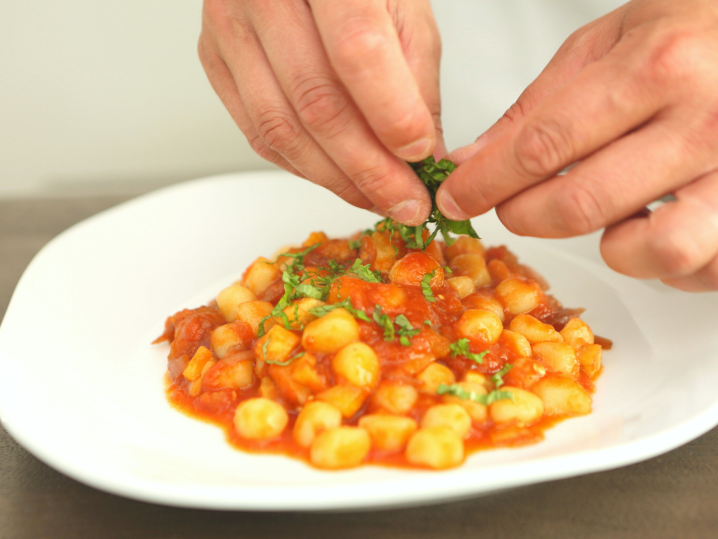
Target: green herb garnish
x=406, y=329
x=293, y=289
x=482, y=398
x=285, y=363
x=344, y=304
x=300, y=289
x=498, y=378
x=298, y=258
x=413, y=236
x=264, y=347
x=364, y=272
x=384, y=322
x=461, y=348
x=426, y=287
x=433, y=174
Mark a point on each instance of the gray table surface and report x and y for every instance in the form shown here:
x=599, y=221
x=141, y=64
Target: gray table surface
x=674, y=495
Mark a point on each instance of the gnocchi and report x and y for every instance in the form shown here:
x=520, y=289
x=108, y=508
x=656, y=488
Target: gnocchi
x=370, y=350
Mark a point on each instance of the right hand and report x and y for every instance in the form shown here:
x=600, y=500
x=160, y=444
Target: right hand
x=340, y=93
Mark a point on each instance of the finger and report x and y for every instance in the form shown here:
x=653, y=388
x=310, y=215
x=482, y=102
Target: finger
x=276, y=123
x=364, y=49
x=604, y=101
x=674, y=243
x=584, y=46
x=421, y=45
x=704, y=280
x=617, y=181
x=224, y=86
x=330, y=116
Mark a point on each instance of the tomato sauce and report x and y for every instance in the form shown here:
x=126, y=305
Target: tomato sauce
x=437, y=330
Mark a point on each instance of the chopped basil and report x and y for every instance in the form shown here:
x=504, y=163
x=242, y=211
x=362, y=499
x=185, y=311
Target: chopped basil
x=384, y=322
x=293, y=289
x=285, y=363
x=433, y=174
x=298, y=262
x=264, y=347
x=482, y=398
x=344, y=304
x=403, y=322
x=498, y=378
x=300, y=289
x=461, y=348
x=426, y=287
x=405, y=331
x=364, y=273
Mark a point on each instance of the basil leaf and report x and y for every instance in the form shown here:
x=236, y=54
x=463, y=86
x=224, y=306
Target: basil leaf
x=384, y=322
x=498, y=378
x=482, y=398
x=344, y=304
x=426, y=287
x=461, y=348
x=364, y=272
x=403, y=322
x=284, y=363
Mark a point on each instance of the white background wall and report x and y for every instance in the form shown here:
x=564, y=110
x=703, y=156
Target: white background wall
x=107, y=96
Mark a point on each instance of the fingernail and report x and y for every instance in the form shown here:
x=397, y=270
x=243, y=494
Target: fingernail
x=416, y=150
x=449, y=207
x=408, y=212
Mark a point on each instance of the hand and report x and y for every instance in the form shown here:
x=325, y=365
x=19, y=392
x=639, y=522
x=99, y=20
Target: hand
x=341, y=93
x=631, y=100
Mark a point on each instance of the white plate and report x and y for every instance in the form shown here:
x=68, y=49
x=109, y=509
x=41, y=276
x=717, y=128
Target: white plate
x=82, y=389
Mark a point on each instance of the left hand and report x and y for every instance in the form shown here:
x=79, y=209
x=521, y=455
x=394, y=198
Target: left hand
x=631, y=100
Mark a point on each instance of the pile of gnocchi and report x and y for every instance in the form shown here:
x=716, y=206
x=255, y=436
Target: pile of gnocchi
x=342, y=352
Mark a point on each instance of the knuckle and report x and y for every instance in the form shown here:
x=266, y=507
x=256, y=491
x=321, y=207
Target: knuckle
x=278, y=131
x=672, y=55
x=346, y=190
x=676, y=254
x=435, y=45
x=371, y=180
x=544, y=148
x=320, y=104
x=582, y=42
x=208, y=54
x=515, y=112
x=420, y=40
x=581, y=208
x=406, y=129
x=358, y=43
x=220, y=17
x=214, y=9
x=262, y=150
x=202, y=53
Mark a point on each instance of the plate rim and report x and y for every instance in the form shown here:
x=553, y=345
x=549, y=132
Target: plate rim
x=624, y=454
